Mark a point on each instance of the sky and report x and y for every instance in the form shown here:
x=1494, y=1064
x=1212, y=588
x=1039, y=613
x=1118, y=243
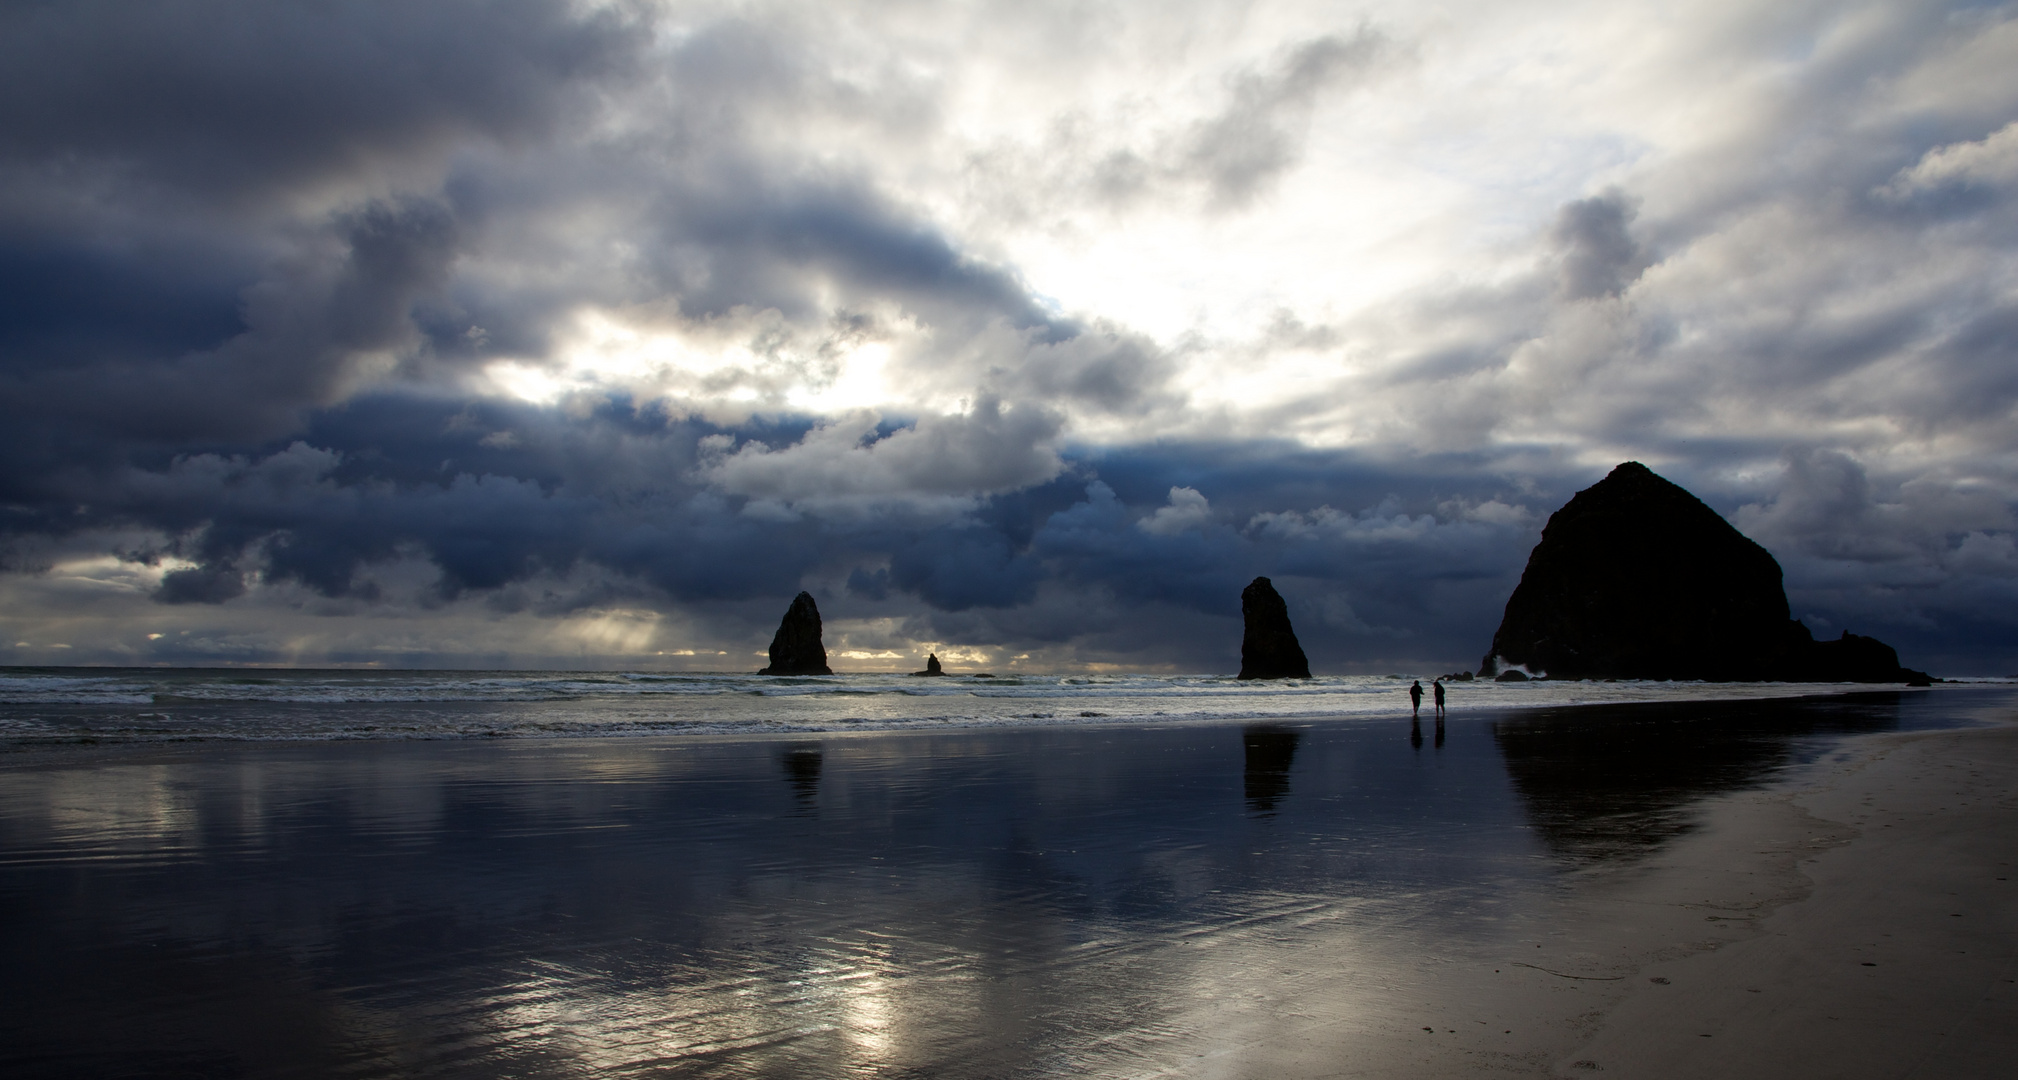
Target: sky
x=530, y=333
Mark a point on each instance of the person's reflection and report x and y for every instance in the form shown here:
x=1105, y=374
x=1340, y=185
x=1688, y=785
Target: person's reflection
x=1415, y=733
x=1439, y=733
x=1270, y=751
x=802, y=771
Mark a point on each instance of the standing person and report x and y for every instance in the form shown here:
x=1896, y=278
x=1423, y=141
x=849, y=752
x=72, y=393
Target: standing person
x=1415, y=697
x=1436, y=685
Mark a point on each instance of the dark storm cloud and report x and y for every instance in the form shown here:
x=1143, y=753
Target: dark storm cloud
x=212, y=584
x=304, y=340
x=957, y=569
x=417, y=477
x=62, y=300
x=163, y=289
x=1599, y=255
x=228, y=99
x=1924, y=563
x=734, y=239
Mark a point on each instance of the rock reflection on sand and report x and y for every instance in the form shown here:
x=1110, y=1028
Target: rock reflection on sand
x=1601, y=783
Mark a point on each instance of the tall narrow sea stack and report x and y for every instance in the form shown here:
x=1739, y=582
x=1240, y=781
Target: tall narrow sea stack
x=796, y=648
x=1636, y=579
x=1268, y=647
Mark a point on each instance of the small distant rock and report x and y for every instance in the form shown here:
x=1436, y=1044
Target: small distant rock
x=796, y=649
x=1511, y=675
x=932, y=668
x=1268, y=648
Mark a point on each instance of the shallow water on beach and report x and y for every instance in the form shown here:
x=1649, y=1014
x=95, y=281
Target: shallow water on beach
x=1115, y=900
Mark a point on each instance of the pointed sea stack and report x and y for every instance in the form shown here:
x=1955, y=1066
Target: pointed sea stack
x=796, y=648
x=1268, y=648
x=1636, y=579
x=932, y=667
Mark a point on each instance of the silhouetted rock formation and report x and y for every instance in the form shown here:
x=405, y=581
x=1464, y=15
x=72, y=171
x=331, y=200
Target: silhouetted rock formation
x=1637, y=579
x=1268, y=648
x=931, y=667
x=796, y=648
x=1852, y=658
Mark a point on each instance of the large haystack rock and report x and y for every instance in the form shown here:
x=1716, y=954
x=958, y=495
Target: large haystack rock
x=1637, y=579
x=796, y=648
x=1268, y=648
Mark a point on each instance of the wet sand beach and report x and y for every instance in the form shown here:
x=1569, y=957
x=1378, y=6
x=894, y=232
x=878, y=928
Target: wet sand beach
x=1281, y=899
x=1857, y=919
x=1881, y=922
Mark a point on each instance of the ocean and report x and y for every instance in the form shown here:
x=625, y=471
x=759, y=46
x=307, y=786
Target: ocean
x=137, y=705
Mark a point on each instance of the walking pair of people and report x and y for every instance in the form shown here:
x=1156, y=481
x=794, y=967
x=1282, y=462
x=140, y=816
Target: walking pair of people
x=1415, y=718
x=1415, y=696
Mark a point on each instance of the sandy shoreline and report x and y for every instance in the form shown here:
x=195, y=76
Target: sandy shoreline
x=1860, y=920
x=1882, y=925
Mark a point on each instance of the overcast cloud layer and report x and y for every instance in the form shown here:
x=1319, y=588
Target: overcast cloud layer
x=544, y=333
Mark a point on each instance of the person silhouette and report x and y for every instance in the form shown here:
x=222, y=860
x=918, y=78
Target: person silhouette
x=1436, y=685
x=1415, y=697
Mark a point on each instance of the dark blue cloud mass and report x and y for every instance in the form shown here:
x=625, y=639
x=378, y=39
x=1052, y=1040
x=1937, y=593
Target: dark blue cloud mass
x=1145, y=548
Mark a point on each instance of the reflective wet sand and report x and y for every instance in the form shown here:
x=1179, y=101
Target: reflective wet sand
x=1186, y=900
x=1890, y=949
